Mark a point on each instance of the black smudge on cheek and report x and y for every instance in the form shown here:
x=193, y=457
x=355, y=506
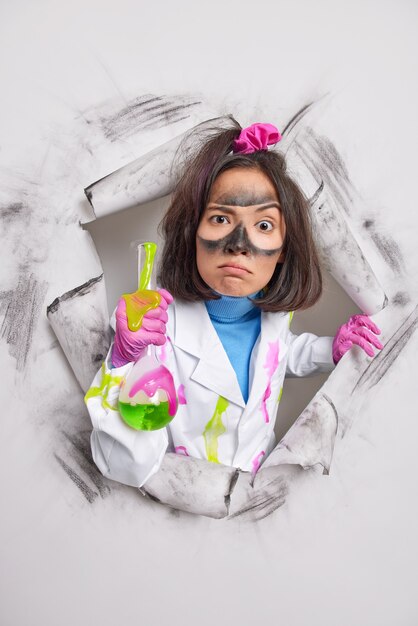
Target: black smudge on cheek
x=236, y=241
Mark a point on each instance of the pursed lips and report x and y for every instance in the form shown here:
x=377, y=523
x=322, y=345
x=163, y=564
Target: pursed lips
x=235, y=266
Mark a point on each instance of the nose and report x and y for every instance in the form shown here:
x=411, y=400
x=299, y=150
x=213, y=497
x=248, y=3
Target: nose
x=237, y=242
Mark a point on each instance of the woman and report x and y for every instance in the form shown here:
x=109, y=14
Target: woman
x=239, y=258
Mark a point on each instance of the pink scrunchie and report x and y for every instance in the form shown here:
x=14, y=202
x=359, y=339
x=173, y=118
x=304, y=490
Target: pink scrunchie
x=255, y=137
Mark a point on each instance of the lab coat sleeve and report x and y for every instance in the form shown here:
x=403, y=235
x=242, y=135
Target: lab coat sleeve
x=309, y=354
x=120, y=452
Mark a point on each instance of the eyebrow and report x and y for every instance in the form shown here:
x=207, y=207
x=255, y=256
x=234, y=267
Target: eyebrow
x=228, y=209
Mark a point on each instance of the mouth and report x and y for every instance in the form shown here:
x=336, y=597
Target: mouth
x=234, y=268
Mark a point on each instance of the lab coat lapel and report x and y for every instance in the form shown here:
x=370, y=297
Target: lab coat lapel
x=195, y=334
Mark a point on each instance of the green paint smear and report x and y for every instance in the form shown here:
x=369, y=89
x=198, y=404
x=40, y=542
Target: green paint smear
x=108, y=381
x=280, y=395
x=142, y=300
x=291, y=313
x=213, y=429
x=145, y=416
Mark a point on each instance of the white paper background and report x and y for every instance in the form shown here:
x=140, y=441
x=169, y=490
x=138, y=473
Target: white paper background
x=343, y=549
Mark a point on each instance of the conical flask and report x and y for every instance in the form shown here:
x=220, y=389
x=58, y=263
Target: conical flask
x=147, y=397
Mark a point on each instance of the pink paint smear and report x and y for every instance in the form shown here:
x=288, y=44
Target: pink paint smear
x=180, y=395
x=257, y=462
x=271, y=364
x=181, y=450
x=158, y=378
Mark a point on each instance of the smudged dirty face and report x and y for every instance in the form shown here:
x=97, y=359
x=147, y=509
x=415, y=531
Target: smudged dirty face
x=241, y=232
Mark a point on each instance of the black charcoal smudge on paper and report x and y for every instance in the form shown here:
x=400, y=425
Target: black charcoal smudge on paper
x=325, y=165
x=297, y=117
x=79, y=291
x=80, y=453
x=22, y=309
x=385, y=359
x=263, y=502
x=402, y=298
x=11, y=212
x=88, y=493
x=386, y=246
x=146, y=112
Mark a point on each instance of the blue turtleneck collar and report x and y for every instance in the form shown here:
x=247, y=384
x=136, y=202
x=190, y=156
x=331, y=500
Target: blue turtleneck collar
x=231, y=308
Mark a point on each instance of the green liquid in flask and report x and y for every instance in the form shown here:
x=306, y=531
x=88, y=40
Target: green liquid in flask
x=145, y=416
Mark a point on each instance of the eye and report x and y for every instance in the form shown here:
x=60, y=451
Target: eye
x=219, y=219
x=265, y=226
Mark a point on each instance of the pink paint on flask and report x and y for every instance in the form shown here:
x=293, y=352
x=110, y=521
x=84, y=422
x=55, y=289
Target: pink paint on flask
x=150, y=382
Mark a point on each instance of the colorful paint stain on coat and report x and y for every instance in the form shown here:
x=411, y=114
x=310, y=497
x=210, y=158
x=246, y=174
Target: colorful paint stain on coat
x=214, y=428
x=291, y=313
x=256, y=462
x=164, y=350
x=162, y=353
x=280, y=395
x=180, y=395
x=181, y=450
x=271, y=364
x=108, y=381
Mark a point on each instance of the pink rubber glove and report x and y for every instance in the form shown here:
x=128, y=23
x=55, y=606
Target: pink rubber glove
x=129, y=345
x=359, y=330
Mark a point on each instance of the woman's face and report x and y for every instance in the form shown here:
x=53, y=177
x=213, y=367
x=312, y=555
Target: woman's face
x=241, y=233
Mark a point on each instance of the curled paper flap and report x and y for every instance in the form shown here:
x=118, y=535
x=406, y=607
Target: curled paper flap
x=148, y=178
x=80, y=321
x=193, y=485
x=310, y=441
x=341, y=255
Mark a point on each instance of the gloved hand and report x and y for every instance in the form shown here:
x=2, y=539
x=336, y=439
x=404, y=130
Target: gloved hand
x=359, y=329
x=129, y=345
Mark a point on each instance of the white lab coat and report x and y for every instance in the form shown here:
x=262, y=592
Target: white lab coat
x=240, y=435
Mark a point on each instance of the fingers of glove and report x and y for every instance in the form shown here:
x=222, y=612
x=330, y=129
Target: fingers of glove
x=362, y=343
x=121, y=310
x=340, y=349
x=155, y=338
x=156, y=325
x=166, y=297
x=157, y=314
x=364, y=320
x=135, y=342
x=369, y=336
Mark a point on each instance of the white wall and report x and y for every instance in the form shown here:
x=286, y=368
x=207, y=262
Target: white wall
x=343, y=549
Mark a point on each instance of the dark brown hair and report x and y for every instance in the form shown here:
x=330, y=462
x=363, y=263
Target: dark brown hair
x=297, y=282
